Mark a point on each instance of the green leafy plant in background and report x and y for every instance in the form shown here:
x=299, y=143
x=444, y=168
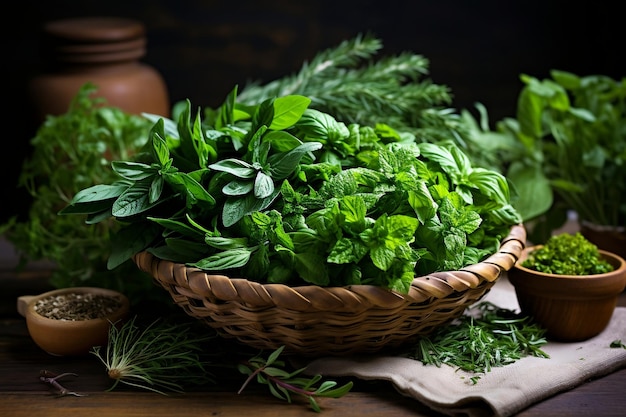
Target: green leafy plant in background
x=589, y=151
x=69, y=152
x=565, y=150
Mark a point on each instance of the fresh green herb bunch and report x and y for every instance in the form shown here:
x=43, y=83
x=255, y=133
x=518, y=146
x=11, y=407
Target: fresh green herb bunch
x=567, y=254
x=70, y=152
x=278, y=192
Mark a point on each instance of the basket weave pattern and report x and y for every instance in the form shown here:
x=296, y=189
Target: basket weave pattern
x=313, y=320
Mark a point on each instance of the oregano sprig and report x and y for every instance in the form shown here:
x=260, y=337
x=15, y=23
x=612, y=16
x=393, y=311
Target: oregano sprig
x=283, y=384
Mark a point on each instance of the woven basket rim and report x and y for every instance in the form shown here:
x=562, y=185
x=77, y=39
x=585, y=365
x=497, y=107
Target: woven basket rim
x=221, y=288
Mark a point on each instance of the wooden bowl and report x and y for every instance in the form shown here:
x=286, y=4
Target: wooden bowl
x=570, y=307
x=71, y=337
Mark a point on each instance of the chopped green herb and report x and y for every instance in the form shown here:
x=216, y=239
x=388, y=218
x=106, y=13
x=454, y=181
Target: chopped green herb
x=477, y=342
x=567, y=254
x=617, y=344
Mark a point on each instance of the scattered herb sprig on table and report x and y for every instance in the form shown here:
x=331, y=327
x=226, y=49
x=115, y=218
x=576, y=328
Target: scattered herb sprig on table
x=486, y=336
x=617, y=344
x=284, y=384
x=163, y=356
x=159, y=357
x=52, y=379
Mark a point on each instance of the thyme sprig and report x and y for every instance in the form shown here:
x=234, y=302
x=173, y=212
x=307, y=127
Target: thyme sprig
x=283, y=384
x=487, y=336
x=161, y=357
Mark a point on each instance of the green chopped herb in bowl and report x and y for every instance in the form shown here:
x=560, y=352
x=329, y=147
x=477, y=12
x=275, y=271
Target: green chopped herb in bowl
x=567, y=254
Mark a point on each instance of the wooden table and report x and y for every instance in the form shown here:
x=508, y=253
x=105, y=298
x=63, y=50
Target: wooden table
x=23, y=394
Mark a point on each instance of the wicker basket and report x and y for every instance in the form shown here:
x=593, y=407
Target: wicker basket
x=314, y=320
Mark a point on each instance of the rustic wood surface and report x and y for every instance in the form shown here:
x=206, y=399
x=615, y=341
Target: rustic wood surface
x=23, y=394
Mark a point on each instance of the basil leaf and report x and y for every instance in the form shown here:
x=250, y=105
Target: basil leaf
x=133, y=171
x=134, y=200
x=288, y=110
x=128, y=241
x=238, y=188
x=232, y=258
x=96, y=193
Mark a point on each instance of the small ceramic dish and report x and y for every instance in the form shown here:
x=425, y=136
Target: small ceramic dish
x=70, y=321
x=570, y=307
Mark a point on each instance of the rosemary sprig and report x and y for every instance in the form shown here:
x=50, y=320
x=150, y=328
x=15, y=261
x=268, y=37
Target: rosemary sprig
x=350, y=82
x=283, y=384
x=490, y=337
x=161, y=357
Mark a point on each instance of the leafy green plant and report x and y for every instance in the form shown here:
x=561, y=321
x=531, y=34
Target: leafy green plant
x=564, y=150
x=253, y=190
x=487, y=336
x=582, y=122
x=567, y=254
x=284, y=384
x=70, y=152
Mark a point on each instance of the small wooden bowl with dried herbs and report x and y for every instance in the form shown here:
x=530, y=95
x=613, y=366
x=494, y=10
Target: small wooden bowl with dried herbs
x=70, y=321
x=569, y=286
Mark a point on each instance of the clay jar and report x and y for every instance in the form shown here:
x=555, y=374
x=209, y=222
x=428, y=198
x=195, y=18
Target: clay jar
x=570, y=307
x=610, y=238
x=105, y=51
x=64, y=337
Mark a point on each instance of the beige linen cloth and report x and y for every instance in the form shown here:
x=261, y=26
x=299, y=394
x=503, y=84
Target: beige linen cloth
x=504, y=390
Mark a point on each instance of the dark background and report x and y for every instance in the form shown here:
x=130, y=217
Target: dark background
x=203, y=48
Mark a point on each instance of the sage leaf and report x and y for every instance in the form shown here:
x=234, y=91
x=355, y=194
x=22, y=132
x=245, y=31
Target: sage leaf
x=263, y=185
x=240, y=169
